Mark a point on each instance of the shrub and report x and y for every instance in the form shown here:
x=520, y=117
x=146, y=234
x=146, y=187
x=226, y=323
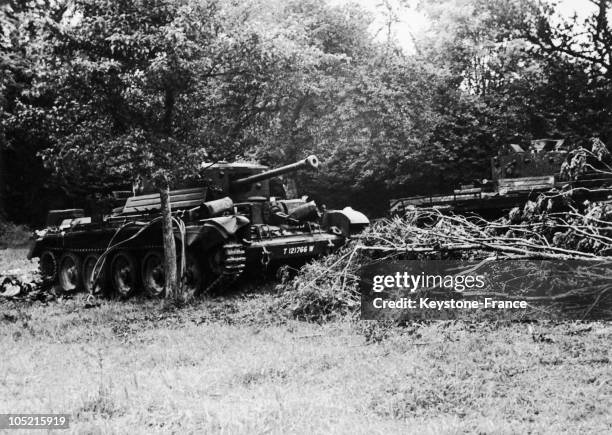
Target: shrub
x=13, y=236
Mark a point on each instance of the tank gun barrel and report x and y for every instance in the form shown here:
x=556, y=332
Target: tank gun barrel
x=310, y=162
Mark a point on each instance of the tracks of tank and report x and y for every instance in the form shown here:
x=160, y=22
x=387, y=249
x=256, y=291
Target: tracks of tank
x=223, y=267
x=231, y=265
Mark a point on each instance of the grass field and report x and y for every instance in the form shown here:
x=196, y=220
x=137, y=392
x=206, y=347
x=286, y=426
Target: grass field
x=15, y=261
x=235, y=365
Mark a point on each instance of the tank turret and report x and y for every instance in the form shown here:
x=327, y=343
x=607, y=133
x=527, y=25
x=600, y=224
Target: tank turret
x=242, y=181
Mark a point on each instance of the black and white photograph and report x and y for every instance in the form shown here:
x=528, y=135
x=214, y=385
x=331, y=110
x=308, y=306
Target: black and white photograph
x=306, y=216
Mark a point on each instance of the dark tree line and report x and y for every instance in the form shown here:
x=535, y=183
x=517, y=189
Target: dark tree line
x=96, y=92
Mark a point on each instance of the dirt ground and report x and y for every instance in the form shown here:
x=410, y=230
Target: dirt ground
x=236, y=364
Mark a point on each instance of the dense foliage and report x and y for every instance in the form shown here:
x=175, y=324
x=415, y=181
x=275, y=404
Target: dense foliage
x=94, y=93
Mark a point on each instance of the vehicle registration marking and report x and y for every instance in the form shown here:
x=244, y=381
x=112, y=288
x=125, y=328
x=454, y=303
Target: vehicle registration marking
x=303, y=249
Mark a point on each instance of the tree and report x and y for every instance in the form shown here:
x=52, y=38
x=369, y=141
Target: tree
x=130, y=86
x=576, y=57
x=587, y=40
x=503, y=86
x=359, y=105
x=23, y=29
x=107, y=90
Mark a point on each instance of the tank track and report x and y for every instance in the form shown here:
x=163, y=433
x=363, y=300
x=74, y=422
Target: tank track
x=232, y=265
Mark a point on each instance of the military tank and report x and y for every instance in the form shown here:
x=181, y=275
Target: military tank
x=517, y=175
x=238, y=218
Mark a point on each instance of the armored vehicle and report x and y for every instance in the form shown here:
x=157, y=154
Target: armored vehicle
x=517, y=175
x=239, y=218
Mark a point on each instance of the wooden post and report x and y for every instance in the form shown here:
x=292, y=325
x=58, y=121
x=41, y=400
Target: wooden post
x=170, y=270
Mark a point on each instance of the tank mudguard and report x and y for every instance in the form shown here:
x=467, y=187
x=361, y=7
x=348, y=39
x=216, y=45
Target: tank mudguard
x=347, y=220
x=214, y=231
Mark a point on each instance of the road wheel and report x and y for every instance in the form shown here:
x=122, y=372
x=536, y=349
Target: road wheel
x=153, y=276
x=152, y=272
x=70, y=278
x=88, y=274
x=47, y=263
x=124, y=274
x=193, y=280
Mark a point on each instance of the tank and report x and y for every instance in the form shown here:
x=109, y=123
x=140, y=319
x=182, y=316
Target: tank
x=517, y=175
x=237, y=219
